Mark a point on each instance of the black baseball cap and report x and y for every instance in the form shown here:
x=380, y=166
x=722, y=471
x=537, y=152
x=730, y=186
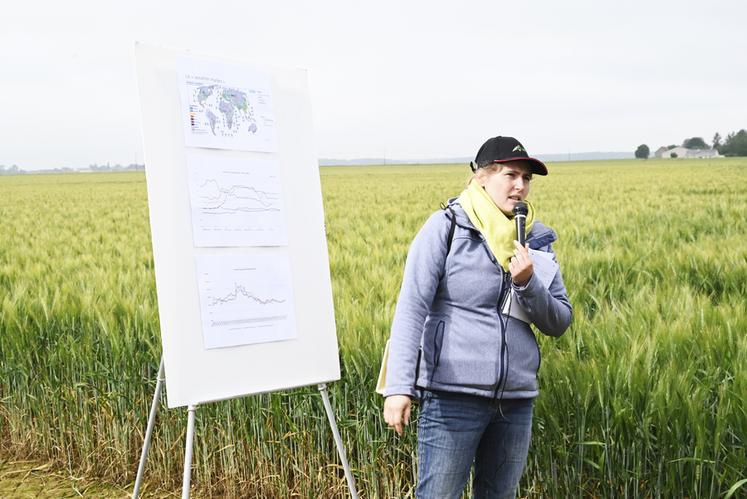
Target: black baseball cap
x=503, y=149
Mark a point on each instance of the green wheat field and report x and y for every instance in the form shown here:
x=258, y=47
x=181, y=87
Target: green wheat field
x=644, y=396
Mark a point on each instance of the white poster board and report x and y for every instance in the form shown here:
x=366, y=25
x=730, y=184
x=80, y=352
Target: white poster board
x=242, y=272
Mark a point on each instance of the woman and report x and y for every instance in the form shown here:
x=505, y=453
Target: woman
x=461, y=342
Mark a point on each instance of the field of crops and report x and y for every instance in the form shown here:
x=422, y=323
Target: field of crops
x=643, y=397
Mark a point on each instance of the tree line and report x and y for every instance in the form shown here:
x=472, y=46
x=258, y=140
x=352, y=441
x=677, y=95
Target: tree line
x=16, y=170
x=735, y=144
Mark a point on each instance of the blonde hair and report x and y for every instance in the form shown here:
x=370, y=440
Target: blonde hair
x=490, y=168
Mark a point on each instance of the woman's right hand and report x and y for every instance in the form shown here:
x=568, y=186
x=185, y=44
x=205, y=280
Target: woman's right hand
x=397, y=412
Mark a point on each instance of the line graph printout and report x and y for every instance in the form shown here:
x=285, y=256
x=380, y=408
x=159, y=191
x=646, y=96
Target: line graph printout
x=226, y=106
x=245, y=299
x=235, y=202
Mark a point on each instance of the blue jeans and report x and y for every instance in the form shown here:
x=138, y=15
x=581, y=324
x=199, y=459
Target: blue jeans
x=454, y=430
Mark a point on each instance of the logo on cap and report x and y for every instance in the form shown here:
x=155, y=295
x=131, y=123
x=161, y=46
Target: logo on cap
x=518, y=148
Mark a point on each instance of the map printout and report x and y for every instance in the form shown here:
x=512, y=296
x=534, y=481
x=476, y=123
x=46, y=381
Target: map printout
x=226, y=106
x=245, y=299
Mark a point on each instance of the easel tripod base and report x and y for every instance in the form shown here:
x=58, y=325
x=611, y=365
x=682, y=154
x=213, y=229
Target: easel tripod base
x=188, y=446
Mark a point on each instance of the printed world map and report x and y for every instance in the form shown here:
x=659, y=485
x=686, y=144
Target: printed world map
x=222, y=111
x=226, y=106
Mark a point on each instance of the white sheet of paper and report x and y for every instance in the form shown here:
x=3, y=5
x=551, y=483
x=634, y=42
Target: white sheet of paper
x=544, y=265
x=545, y=269
x=245, y=299
x=226, y=106
x=235, y=202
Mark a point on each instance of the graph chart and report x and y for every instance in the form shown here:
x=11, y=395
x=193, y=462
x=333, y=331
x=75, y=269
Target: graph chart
x=235, y=202
x=245, y=299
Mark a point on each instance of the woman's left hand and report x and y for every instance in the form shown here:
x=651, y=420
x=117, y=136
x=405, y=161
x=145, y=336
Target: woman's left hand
x=520, y=265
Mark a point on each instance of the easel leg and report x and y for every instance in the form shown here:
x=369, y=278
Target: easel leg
x=188, y=451
x=338, y=441
x=149, y=431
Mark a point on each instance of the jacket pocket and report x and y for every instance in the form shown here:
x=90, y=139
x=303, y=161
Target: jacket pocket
x=524, y=355
x=464, y=353
x=434, y=331
x=438, y=342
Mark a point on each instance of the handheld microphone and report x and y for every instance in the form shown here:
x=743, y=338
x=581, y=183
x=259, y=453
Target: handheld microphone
x=520, y=217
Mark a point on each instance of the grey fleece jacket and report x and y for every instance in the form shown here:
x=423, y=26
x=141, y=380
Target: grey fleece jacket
x=447, y=332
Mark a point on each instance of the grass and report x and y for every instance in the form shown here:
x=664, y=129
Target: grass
x=642, y=397
x=33, y=480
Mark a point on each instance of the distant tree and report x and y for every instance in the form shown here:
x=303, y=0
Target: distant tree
x=10, y=170
x=642, y=152
x=671, y=146
x=673, y=155
x=735, y=144
x=716, y=140
x=695, y=143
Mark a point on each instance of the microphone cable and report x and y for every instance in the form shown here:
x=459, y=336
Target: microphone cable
x=504, y=356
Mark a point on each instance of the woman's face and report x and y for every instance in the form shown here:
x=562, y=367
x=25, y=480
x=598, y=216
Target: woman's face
x=508, y=185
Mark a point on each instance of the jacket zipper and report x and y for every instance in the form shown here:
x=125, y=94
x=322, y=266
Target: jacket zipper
x=502, y=297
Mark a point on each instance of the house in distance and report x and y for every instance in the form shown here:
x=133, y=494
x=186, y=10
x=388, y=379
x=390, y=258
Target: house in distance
x=684, y=152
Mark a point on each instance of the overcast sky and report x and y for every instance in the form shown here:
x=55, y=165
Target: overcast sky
x=395, y=79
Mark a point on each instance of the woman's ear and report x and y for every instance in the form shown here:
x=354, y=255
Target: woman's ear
x=481, y=177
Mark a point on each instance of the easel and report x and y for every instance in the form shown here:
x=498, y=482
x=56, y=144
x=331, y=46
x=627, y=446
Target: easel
x=191, y=433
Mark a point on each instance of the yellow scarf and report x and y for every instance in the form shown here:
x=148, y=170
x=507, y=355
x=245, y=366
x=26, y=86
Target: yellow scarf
x=499, y=230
